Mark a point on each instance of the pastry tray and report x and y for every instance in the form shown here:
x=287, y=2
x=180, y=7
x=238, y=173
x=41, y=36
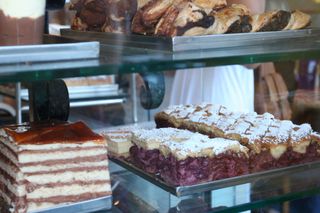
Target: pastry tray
x=49, y=52
x=185, y=43
x=75, y=92
x=94, y=205
x=179, y=191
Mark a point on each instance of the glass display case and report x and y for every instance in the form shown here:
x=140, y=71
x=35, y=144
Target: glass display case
x=284, y=81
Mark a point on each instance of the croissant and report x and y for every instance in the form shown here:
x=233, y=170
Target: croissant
x=298, y=20
x=148, y=16
x=210, y=4
x=280, y=20
x=175, y=17
x=233, y=19
x=104, y=15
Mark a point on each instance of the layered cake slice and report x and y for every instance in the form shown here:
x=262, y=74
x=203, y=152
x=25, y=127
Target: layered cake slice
x=50, y=164
x=119, y=143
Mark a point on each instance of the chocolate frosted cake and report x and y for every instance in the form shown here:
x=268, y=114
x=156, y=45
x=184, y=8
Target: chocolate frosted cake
x=272, y=143
x=45, y=165
x=185, y=158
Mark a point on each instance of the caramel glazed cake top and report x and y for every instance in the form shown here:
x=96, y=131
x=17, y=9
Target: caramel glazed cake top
x=257, y=132
x=48, y=133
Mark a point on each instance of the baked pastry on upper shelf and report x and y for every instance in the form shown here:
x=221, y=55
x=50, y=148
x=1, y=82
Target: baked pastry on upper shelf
x=233, y=19
x=171, y=18
x=280, y=20
x=184, y=19
x=104, y=15
x=148, y=16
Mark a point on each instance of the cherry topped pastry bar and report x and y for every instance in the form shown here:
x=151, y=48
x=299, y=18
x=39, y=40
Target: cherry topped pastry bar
x=185, y=158
x=272, y=143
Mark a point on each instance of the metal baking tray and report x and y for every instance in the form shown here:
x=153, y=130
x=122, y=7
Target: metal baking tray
x=185, y=43
x=94, y=205
x=180, y=191
x=75, y=92
x=49, y=52
x=87, y=206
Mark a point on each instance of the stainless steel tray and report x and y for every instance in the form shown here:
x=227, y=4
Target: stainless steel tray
x=75, y=92
x=94, y=205
x=184, y=43
x=180, y=191
x=49, y=52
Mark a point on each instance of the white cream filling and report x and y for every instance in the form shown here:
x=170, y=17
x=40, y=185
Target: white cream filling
x=74, y=189
x=69, y=177
x=56, y=155
x=5, y=196
x=41, y=168
x=18, y=190
x=23, y=8
x=17, y=175
x=277, y=151
x=301, y=147
x=6, y=152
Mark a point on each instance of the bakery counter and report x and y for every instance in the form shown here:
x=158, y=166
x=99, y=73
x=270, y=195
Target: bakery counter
x=257, y=190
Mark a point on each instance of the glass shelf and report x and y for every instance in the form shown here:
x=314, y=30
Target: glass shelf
x=121, y=60
x=261, y=192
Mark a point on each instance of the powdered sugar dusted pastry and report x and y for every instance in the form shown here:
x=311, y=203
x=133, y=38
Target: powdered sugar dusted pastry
x=183, y=157
x=272, y=143
x=145, y=151
x=201, y=159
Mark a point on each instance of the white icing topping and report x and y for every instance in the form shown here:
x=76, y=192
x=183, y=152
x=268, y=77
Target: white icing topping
x=225, y=122
x=300, y=132
x=240, y=127
x=249, y=117
x=173, y=108
x=196, y=116
x=224, y=111
x=200, y=145
x=183, y=112
x=213, y=109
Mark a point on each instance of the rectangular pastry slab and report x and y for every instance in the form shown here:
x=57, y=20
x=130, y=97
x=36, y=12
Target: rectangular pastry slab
x=180, y=191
